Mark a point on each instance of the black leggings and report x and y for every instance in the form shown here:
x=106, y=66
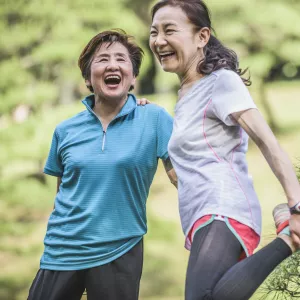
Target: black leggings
x=214, y=272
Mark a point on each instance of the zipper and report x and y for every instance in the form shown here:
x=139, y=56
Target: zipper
x=116, y=117
x=103, y=140
x=105, y=131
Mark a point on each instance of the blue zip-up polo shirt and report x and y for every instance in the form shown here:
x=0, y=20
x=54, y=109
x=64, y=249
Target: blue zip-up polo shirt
x=100, y=208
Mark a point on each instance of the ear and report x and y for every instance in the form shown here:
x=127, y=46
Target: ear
x=133, y=81
x=88, y=82
x=203, y=37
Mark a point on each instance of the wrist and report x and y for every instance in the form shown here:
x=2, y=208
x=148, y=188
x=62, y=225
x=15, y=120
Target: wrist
x=292, y=201
x=295, y=209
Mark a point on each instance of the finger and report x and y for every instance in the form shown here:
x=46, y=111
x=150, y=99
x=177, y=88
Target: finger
x=141, y=101
x=145, y=101
x=296, y=239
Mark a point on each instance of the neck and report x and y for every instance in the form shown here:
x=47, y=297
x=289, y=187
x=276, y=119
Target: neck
x=191, y=75
x=107, y=109
x=187, y=81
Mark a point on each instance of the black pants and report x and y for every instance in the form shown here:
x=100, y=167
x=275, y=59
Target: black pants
x=118, y=280
x=214, y=272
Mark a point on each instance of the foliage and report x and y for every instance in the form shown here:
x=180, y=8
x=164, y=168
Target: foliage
x=284, y=282
x=40, y=82
x=41, y=42
x=264, y=35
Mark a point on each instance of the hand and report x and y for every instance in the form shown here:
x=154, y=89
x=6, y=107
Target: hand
x=295, y=229
x=142, y=101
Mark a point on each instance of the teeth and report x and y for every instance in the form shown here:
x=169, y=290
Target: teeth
x=112, y=77
x=166, y=53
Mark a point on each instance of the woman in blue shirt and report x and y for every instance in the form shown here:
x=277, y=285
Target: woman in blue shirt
x=105, y=159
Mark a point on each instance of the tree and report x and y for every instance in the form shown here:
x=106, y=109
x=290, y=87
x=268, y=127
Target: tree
x=147, y=82
x=284, y=282
x=41, y=43
x=266, y=38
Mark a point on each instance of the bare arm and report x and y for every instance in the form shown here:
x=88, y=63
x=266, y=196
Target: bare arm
x=259, y=131
x=170, y=171
x=257, y=128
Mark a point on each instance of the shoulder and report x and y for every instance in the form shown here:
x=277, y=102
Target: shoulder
x=151, y=109
x=154, y=110
x=228, y=80
x=71, y=122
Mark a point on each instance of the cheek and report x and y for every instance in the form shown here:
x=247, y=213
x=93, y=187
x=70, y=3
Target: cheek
x=184, y=55
x=152, y=47
x=151, y=42
x=127, y=72
x=96, y=72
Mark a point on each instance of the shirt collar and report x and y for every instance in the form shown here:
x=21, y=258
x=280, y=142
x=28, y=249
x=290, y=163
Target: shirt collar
x=127, y=108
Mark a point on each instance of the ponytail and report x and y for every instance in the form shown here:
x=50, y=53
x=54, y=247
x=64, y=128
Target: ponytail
x=217, y=56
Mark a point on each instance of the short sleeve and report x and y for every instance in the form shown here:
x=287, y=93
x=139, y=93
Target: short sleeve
x=230, y=95
x=164, y=131
x=54, y=165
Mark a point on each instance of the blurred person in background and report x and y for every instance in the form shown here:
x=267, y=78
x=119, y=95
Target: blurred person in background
x=105, y=159
x=219, y=209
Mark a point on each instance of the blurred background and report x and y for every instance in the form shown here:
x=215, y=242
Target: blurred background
x=41, y=85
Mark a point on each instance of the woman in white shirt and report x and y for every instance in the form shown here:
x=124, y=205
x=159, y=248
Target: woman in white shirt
x=219, y=209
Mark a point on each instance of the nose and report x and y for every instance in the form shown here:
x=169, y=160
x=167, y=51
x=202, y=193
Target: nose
x=160, y=41
x=113, y=65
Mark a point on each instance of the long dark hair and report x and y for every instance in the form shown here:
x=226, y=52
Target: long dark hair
x=216, y=55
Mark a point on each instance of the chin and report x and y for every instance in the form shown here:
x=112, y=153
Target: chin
x=117, y=95
x=112, y=92
x=114, y=95
x=169, y=69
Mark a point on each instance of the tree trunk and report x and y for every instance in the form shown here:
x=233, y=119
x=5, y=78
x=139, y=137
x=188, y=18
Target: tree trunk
x=267, y=107
x=147, y=83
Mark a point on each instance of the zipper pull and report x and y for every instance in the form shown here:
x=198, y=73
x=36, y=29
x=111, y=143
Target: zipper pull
x=103, y=140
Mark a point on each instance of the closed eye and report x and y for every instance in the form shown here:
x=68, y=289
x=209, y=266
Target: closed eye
x=153, y=33
x=170, y=31
x=102, y=60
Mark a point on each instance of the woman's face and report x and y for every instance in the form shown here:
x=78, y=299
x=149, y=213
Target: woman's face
x=174, y=40
x=111, y=72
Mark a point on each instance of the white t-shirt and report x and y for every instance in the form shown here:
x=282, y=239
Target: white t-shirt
x=208, y=151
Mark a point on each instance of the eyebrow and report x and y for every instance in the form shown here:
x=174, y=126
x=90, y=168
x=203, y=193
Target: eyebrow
x=115, y=54
x=165, y=25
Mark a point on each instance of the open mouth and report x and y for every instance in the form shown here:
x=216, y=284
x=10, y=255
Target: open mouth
x=166, y=55
x=112, y=80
